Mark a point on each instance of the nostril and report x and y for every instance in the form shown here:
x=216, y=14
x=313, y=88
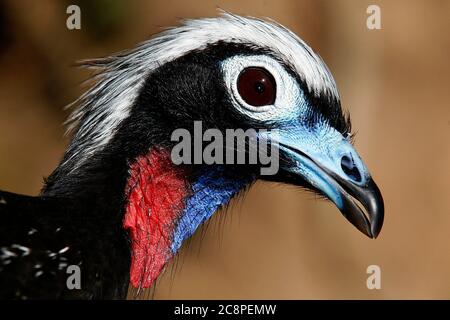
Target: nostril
x=350, y=169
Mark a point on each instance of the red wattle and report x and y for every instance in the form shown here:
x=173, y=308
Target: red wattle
x=156, y=190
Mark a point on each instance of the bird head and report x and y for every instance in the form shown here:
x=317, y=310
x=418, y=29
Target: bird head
x=223, y=73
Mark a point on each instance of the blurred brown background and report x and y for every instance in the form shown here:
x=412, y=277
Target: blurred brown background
x=278, y=242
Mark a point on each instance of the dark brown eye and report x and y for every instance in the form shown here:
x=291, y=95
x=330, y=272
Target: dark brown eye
x=257, y=86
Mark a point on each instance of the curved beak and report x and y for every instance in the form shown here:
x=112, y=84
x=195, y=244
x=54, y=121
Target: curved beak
x=369, y=217
x=328, y=163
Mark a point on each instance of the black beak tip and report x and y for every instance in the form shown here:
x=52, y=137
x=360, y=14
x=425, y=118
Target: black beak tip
x=375, y=206
x=375, y=228
x=377, y=223
x=372, y=201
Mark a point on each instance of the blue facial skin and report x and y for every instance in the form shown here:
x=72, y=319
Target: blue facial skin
x=209, y=193
x=316, y=177
x=325, y=147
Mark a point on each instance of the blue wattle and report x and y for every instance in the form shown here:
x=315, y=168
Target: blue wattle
x=209, y=193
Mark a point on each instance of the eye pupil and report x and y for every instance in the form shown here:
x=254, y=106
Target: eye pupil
x=257, y=86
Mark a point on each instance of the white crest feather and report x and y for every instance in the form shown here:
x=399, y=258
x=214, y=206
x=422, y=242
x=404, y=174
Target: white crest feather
x=120, y=77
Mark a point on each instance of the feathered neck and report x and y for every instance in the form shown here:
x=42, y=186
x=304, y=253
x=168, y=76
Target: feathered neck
x=165, y=207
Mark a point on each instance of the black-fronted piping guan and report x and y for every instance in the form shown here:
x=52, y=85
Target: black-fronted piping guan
x=119, y=208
